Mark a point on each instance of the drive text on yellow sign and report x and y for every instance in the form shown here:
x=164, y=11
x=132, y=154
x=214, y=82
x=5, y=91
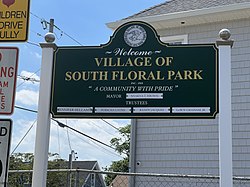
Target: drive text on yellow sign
x=14, y=18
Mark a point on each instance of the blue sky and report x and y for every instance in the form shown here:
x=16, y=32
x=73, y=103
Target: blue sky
x=85, y=22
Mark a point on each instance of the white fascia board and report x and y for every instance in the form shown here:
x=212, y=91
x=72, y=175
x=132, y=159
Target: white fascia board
x=185, y=14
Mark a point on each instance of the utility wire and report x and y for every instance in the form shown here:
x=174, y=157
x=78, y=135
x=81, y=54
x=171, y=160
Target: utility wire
x=23, y=137
x=68, y=139
x=58, y=137
x=35, y=15
x=99, y=128
x=45, y=22
x=110, y=124
x=28, y=110
x=28, y=78
x=100, y=142
x=68, y=127
x=71, y=37
x=32, y=43
x=37, y=33
x=36, y=112
x=93, y=143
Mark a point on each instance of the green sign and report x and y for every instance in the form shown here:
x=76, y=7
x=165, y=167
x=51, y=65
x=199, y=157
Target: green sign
x=135, y=75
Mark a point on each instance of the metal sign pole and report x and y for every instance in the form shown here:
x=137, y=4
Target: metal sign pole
x=43, y=116
x=225, y=109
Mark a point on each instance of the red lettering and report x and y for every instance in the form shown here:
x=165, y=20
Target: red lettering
x=3, y=98
x=3, y=106
x=6, y=72
x=3, y=102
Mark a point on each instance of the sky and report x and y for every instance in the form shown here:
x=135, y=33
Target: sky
x=78, y=22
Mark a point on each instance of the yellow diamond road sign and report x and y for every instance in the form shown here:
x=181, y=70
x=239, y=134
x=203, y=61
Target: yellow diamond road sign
x=14, y=20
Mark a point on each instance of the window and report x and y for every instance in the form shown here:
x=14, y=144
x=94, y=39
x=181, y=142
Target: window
x=178, y=39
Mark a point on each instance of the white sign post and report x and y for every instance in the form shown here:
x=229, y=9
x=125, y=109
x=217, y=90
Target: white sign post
x=225, y=109
x=5, y=137
x=8, y=74
x=43, y=116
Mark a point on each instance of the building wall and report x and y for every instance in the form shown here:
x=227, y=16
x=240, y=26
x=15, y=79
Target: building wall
x=191, y=146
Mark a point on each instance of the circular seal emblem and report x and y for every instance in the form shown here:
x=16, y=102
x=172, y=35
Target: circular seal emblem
x=135, y=36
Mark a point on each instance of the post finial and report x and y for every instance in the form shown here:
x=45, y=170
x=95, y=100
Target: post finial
x=224, y=34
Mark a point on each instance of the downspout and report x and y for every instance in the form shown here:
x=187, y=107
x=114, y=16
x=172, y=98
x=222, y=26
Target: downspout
x=132, y=157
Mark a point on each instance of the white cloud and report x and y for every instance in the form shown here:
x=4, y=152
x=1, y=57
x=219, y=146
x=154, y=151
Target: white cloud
x=31, y=53
x=27, y=97
x=28, y=80
x=30, y=75
x=37, y=55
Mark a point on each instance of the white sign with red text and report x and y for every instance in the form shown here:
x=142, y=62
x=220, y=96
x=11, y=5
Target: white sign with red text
x=8, y=76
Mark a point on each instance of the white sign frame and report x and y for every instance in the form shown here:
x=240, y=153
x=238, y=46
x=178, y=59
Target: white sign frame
x=5, y=141
x=8, y=75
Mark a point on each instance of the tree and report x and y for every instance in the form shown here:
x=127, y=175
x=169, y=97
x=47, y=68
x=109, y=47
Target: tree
x=20, y=161
x=121, y=146
x=56, y=179
x=24, y=161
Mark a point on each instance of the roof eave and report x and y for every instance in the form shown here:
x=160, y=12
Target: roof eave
x=192, y=17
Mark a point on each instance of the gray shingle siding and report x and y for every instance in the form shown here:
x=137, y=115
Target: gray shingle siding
x=177, y=146
x=174, y=6
x=191, y=146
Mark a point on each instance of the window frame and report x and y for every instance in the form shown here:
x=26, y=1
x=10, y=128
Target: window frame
x=177, y=38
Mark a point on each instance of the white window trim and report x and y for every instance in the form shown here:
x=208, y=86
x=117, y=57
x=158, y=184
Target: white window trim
x=177, y=38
